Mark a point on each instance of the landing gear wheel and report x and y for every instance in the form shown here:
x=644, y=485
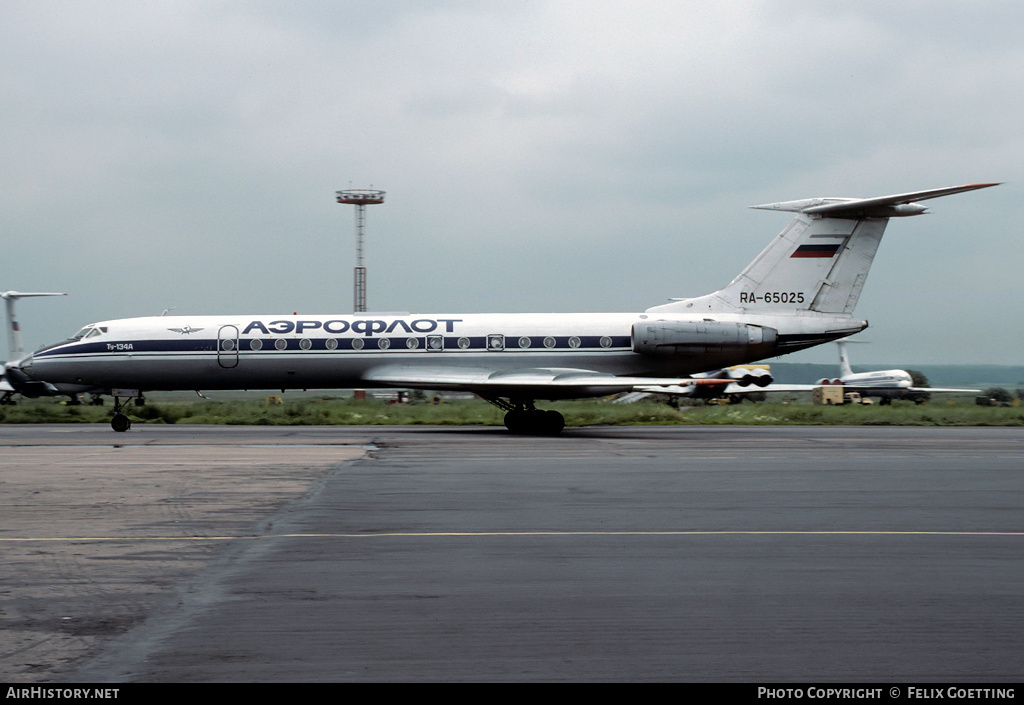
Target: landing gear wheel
x=120, y=423
x=518, y=421
x=532, y=421
x=552, y=423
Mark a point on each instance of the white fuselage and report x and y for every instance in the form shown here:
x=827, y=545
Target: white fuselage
x=882, y=378
x=343, y=351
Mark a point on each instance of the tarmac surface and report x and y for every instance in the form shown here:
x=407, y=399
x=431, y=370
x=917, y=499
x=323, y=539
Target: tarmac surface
x=749, y=554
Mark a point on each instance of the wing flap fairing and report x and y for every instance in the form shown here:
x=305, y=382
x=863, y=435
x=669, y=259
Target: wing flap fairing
x=560, y=379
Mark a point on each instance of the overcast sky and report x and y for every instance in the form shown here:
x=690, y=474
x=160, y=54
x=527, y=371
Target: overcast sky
x=537, y=156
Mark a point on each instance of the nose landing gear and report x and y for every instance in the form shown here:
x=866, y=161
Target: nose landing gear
x=121, y=422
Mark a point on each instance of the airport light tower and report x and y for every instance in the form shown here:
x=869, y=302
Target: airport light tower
x=360, y=198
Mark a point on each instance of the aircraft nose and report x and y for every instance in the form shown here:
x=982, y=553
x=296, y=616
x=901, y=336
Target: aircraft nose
x=18, y=378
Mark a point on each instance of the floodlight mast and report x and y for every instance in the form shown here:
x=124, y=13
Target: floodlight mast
x=360, y=198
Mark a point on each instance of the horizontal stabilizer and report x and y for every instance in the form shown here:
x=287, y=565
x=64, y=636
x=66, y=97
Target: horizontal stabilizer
x=22, y=294
x=901, y=204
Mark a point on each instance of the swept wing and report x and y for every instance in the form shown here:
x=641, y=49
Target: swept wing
x=541, y=382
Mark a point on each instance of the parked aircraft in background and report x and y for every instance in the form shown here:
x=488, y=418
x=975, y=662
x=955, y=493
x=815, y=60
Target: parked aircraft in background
x=734, y=383
x=15, y=350
x=798, y=293
x=884, y=384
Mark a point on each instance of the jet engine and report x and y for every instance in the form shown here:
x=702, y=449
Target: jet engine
x=745, y=376
x=700, y=337
x=25, y=385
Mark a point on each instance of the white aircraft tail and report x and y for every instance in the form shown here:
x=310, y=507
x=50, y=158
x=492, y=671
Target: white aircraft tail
x=14, y=346
x=845, y=370
x=820, y=262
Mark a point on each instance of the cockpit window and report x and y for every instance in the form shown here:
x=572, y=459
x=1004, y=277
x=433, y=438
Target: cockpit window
x=90, y=331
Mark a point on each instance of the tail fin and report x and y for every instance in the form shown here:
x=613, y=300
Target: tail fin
x=820, y=261
x=845, y=370
x=15, y=349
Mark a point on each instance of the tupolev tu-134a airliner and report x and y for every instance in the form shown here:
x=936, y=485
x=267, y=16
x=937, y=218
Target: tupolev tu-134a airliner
x=799, y=292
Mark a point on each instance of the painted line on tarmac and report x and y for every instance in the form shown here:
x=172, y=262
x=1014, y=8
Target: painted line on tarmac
x=472, y=534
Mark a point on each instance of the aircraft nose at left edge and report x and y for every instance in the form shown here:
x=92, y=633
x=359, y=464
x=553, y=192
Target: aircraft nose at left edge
x=18, y=375
x=25, y=364
x=29, y=372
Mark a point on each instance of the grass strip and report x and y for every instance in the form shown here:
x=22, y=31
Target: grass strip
x=472, y=412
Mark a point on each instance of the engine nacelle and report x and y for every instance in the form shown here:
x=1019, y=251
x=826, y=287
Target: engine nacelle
x=830, y=382
x=741, y=377
x=25, y=385
x=762, y=378
x=699, y=337
x=745, y=376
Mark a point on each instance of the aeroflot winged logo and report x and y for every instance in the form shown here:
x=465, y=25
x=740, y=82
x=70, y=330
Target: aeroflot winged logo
x=363, y=326
x=185, y=330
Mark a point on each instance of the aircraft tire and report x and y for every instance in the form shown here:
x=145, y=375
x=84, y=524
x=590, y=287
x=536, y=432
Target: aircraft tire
x=517, y=421
x=546, y=423
x=552, y=423
x=120, y=423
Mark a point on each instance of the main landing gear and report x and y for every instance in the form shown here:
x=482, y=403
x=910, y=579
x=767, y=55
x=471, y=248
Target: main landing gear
x=521, y=417
x=535, y=422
